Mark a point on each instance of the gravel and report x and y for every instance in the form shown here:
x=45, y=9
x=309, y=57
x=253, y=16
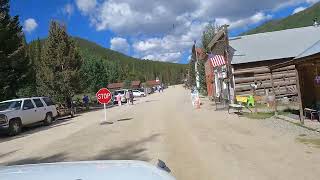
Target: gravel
x=284, y=126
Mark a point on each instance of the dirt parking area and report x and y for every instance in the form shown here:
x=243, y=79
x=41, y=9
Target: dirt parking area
x=199, y=144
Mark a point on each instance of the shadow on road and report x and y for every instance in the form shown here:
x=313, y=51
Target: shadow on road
x=134, y=150
x=106, y=123
x=26, y=131
x=125, y=119
x=151, y=101
x=8, y=153
x=35, y=160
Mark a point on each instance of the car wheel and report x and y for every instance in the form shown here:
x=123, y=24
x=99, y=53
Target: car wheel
x=48, y=119
x=15, y=127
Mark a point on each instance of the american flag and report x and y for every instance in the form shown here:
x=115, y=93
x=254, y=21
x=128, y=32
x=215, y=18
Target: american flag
x=216, y=60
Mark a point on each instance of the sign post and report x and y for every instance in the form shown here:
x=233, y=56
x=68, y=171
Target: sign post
x=104, y=97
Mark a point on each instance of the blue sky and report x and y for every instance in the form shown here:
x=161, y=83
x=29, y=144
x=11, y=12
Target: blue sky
x=160, y=29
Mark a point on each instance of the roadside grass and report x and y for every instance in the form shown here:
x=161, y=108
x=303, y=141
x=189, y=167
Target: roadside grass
x=258, y=115
x=314, y=142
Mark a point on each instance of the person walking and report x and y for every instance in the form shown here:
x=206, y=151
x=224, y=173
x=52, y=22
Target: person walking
x=131, y=96
x=118, y=98
x=127, y=94
x=85, y=100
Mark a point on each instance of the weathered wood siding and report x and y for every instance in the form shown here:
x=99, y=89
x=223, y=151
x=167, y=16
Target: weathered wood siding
x=259, y=73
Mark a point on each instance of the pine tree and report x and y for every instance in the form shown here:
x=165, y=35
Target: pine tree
x=58, y=73
x=14, y=64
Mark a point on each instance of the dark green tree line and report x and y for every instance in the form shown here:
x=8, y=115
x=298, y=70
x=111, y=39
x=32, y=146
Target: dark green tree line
x=14, y=63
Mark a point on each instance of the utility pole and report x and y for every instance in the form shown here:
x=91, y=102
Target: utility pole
x=228, y=62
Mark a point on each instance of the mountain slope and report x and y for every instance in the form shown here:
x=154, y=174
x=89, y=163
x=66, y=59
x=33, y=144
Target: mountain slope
x=301, y=19
x=121, y=67
x=101, y=51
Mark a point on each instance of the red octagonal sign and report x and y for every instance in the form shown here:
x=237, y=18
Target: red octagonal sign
x=104, y=96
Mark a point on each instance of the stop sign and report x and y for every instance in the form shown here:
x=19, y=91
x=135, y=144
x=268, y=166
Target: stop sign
x=104, y=96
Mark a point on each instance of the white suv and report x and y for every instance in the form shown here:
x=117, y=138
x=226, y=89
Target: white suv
x=16, y=113
x=138, y=93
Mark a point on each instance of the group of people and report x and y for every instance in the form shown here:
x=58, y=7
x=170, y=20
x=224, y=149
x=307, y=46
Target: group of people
x=128, y=95
x=158, y=88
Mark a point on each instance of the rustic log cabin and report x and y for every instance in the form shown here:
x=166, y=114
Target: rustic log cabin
x=307, y=71
x=254, y=54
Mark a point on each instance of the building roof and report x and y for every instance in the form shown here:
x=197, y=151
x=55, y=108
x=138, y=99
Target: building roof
x=115, y=85
x=273, y=45
x=135, y=83
x=312, y=50
x=153, y=82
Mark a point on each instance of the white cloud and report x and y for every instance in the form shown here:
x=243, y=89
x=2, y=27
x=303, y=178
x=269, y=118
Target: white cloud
x=120, y=44
x=166, y=28
x=166, y=57
x=68, y=9
x=86, y=6
x=30, y=25
x=298, y=9
x=170, y=47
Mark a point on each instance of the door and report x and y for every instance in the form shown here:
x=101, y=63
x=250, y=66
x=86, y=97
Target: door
x=29, y=112
x=41, y=109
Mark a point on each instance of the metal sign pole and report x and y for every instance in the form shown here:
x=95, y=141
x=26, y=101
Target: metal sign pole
x=105, y=112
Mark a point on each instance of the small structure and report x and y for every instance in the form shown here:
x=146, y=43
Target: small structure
x=136, y=84
x=115, y=86
x=307, y=71
x=153, y=83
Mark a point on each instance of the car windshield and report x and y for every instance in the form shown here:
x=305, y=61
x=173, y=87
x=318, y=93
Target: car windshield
x=10, y=105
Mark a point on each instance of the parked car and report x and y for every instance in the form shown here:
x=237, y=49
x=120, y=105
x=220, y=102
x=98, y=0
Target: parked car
x=122, y=93
x=138, y=93
x=16, y=113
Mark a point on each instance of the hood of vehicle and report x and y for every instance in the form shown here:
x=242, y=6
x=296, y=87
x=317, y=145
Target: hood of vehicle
x=85, y=170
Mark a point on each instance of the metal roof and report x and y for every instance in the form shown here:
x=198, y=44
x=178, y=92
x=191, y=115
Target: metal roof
x=273, y=45
x=314, y=49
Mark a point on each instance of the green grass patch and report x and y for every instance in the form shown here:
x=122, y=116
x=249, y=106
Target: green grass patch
x=259, y=115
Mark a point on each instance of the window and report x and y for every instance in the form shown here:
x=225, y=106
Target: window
x=10, y=105
x=38, y=102
x=48, y=101
x=27, y=104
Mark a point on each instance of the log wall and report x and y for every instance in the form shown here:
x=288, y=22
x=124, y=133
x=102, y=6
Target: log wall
x=284, y=80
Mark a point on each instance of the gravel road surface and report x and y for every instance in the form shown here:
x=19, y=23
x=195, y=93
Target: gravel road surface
x=196, y=144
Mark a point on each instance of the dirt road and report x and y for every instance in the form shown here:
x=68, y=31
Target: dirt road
x=197, y=144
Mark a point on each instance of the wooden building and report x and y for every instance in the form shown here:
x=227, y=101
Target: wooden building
x=136, y=84
x=307, y=71
x=115, y=86
x=153, y=83
x=254, y=54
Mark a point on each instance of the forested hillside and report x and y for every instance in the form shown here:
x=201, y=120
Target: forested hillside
x=101, y=66
x=301, y=19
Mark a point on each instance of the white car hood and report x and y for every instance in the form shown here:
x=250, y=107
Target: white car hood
x=85, y=170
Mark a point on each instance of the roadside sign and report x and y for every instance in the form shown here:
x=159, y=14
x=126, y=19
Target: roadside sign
x=104, y=96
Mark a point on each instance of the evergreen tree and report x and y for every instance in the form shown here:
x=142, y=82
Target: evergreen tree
x=14, y=64
x=58, y=73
